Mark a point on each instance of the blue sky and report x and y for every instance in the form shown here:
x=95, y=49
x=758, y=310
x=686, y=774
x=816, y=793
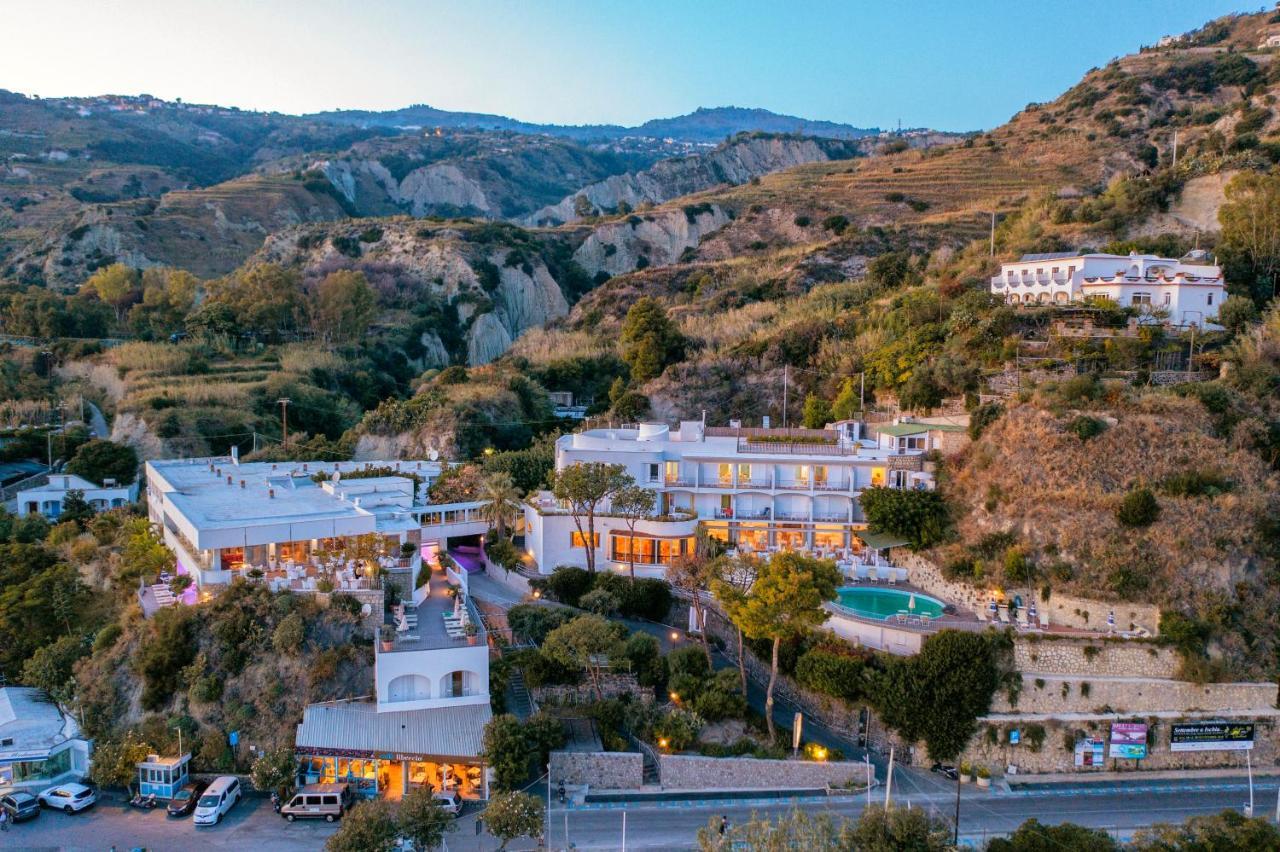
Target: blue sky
x=952, y=65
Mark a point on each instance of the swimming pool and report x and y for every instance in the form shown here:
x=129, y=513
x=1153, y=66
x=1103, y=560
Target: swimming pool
x=879, y=604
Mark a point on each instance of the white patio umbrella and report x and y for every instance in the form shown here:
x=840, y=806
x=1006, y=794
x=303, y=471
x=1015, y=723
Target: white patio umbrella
x=911, y=603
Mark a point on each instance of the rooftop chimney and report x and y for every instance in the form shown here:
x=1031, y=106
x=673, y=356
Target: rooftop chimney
x=228, y=479
x=242, y=483
x=271, y=493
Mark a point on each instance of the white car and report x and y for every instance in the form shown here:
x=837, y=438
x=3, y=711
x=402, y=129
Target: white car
x=70, y=798
x=449, y=801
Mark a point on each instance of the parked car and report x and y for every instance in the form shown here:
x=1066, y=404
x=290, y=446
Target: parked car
x=70, y=798
x=220, y=797
x=450, y=802
x=946, y=770
x=20, y=805
x=184, y=801
x=317, y=801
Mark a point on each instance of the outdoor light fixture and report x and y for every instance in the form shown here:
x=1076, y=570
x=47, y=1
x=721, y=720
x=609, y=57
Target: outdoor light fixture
x=674, y=636
x=675, y=697
x=662, y=742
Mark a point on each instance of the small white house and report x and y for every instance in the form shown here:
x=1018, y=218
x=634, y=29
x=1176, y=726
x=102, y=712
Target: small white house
x=48, y=499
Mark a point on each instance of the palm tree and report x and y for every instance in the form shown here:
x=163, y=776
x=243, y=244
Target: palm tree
x=503, y=507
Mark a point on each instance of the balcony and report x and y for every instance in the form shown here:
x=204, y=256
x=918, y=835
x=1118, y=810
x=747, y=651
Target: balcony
x=795, y=485
x=678, y=482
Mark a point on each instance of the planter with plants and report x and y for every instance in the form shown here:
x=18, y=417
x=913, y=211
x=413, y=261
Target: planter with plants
x=984, y=777
x=387, y=636
x=966, y=772
x=472, y=631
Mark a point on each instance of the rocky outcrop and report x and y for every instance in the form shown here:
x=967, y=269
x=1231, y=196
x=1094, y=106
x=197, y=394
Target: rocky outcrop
x=734, y=162
x=652, y=239
x=487, y=339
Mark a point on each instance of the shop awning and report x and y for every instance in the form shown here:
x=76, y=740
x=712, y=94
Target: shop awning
x=880, y=541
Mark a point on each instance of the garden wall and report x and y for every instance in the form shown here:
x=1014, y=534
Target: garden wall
x=1060, y=694
x=609, y=770
x=1057, y=655
x=691, y=772
x=1061, y=608
x=1057, y=753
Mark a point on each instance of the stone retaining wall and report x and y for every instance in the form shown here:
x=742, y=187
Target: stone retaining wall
x=609, y=770
x=611, y=686
x=1093, y=657
x=689, y=772
x=1069, y=610
x=1060, y=694
x=1055, y=756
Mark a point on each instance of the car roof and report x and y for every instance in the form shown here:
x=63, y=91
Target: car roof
x=19, y=794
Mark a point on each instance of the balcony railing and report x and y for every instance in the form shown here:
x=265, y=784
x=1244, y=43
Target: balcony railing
x=797, y=448
x=678, y=482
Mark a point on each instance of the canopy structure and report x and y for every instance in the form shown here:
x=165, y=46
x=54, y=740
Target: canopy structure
x=880, y=541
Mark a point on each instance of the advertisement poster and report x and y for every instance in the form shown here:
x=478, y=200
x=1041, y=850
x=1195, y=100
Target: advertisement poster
x=1089, y=753
x=1211, y=736
x=1129, y=740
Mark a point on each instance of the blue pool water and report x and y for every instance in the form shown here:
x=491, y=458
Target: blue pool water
x=871, y=602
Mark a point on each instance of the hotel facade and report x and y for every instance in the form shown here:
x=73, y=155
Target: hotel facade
x=756, y=489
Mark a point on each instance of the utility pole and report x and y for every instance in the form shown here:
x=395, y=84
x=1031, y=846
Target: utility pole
x=548, y=805
x=284, y=421
x=1191, y=351
x=993, y=233
x=956, y=841
x=785, y=376
x=1175, y=148
x=888, y=782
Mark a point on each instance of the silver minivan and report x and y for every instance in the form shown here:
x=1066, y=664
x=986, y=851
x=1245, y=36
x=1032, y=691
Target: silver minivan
x=317, y=801
x=217, y=799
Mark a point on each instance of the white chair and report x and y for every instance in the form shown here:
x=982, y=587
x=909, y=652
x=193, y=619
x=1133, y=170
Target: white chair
x=892, y=576
x=872, y=574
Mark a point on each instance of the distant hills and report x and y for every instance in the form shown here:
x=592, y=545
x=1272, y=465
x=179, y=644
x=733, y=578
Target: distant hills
x=704, y=125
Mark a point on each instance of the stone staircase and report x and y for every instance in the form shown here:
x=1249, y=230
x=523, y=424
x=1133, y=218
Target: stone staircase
x=519, y=701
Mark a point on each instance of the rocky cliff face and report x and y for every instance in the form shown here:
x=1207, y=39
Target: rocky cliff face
x=734, y=162
x=652, y=239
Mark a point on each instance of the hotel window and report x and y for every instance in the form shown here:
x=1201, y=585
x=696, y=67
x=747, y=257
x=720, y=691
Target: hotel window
x=898, y=478
x=724, y=474
x=1071, y=270
x=1168, y=297
x=1141, y=299
x=744, y=473
x=673, y=471
x=1210, y=298
x=802, y=474
x=654, y=467
x=877, y=477
x=820, y=475
x=578, y=539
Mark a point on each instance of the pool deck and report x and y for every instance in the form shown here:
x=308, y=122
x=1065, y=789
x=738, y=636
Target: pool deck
x=960, y=619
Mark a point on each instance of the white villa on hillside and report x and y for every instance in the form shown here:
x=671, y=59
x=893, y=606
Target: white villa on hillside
x=1187, y=291
x=754, y=488
x=47, y=499
x=221, y=516
x=39, y=744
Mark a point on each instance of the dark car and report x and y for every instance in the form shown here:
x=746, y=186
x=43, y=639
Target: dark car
x=20, y=806
x=184, y=801
x=945, y=770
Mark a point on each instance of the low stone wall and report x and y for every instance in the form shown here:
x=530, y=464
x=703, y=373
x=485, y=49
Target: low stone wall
x=609, y=770
x=1069, y=610
x=1055, y=655
x=611, y=686
x=1059, y=694
x=689, y=772
x=1057, y=753
x=375, y=598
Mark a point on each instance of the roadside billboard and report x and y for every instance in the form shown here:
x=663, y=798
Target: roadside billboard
x=1089, y=753
x=1128, y=740
x=1211, y=736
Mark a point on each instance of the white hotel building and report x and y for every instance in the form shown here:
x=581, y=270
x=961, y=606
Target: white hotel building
x=1187, y=291
x=754, y=488
x=221, y=516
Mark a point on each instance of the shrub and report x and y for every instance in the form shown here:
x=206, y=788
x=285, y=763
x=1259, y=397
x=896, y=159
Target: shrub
x=1195, y=483
x=534, y=622
x=833, y=671
x=803, y=221
x=1033, y=735
x=568, y=585
x=921, y=517
x=1139, y=508
x=895, y=197
x=1084, y=427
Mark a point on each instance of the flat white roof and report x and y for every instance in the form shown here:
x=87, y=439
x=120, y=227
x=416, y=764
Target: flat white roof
x=270, y=502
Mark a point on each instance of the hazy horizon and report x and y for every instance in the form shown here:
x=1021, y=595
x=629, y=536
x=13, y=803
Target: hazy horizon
x=569, y=63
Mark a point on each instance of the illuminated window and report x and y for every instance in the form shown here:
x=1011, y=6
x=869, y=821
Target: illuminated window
x=877, y=477
x=577, y=539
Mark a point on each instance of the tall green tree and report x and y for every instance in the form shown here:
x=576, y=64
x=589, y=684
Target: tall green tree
x=587, y=643
x=506, y=750
x=847, y=403
x=817, y=412
x=633, y=504
x=785, y=601
x=1250, y=244
x=275, y=770
x=101, y=459
x=117, y=285
x=585, y=486
x=115, y=762
x=649, y=340
x=694, y=573
x=341, y=306
x=736, y=576
x=503, y=507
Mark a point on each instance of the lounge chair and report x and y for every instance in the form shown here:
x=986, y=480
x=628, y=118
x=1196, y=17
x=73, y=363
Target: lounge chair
x=893, y=577
x=1003, y=614
x=1022, y=620
x=872, y=575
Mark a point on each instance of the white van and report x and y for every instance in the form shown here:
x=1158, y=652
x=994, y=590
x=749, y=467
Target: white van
x=217, y=799
x=317, y=801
